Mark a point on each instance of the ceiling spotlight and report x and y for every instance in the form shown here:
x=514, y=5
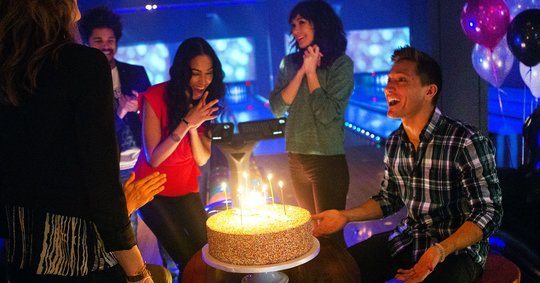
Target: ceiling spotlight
x=150, y=7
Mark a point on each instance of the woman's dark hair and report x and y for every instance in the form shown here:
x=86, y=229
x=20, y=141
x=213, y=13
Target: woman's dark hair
x=100, y=17
x=329, y=33
x=176, y=96
x=31, y=32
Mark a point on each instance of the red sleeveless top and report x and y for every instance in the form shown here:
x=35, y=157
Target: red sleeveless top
x=180, y=167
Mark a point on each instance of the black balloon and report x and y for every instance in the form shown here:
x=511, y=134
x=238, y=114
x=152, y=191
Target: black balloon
x=523, y=37
x=531, y=134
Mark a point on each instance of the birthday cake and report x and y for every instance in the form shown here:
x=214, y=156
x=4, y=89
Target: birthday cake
x=275, y=233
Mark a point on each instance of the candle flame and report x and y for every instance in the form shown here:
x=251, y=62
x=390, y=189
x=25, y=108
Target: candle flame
x=224, y=189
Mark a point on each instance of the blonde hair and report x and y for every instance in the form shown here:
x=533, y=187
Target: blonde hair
x=31, y=31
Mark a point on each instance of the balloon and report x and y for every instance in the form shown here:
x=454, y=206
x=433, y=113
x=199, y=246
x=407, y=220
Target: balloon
x=524, y=37
x=517, y=6
x=485, y=22
x=493, y=66
x=531, y=77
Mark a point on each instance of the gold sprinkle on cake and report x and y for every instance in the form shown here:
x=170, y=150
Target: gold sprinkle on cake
x=268, y=236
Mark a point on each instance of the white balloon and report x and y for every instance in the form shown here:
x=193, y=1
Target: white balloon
x=531, y=77
x=493, y=66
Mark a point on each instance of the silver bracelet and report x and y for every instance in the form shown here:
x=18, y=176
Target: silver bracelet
x=441, y=250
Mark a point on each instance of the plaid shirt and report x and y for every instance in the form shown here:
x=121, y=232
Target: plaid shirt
x=450, y=179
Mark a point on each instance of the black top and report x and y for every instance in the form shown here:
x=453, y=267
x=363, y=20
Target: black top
x=58, y=148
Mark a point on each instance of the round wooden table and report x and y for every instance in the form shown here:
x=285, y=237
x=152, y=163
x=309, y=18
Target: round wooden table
x=332, y=264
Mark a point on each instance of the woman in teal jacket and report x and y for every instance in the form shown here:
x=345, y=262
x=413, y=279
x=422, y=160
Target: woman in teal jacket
x=313, y=86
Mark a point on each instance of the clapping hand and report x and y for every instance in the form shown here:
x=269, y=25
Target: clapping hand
x=312, y=59
x=201, y=112
x=128, y=104
x=139, y=192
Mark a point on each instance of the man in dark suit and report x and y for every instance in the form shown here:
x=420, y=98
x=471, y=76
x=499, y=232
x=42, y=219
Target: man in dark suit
x=102, y=29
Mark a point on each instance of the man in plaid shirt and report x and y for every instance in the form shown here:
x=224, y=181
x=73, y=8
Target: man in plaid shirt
x=442, y=171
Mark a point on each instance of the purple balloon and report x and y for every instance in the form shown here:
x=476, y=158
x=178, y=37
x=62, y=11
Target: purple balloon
x=493, y=66
x=485, y=21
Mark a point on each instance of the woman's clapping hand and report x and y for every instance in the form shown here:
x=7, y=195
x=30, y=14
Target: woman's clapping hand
x=202, y=112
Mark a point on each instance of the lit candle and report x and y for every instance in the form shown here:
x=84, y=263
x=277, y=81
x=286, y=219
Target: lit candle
x=264, y=189
x=240, y=192
x=265, y=196
x=280, y=184
x=224, y=189
x=270, y=184
x=246, y=178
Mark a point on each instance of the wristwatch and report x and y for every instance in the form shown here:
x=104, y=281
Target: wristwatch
x=144, y=273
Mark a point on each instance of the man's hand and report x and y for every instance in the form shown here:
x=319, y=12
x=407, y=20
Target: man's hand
x=127, y=104
x=422, y=268
x=328, y=222
x=139, y=192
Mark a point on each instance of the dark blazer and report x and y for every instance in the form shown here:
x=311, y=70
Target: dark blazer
x=132, y=77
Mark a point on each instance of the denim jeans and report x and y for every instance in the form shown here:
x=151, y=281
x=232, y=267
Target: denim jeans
x=124, y=175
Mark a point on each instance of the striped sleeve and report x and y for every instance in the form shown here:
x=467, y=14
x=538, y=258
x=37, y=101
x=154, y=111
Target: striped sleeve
x=476, y=163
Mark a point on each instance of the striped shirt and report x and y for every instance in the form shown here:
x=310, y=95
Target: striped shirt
x=450, y=179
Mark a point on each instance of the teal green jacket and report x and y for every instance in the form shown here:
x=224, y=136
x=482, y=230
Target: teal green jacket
x=315, y=122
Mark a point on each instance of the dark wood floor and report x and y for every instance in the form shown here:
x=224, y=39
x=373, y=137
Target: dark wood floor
x=365, y=161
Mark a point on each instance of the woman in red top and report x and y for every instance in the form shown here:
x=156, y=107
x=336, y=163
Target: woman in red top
x=176, y=141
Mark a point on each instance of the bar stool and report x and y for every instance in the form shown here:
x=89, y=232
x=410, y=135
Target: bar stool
x=499, y=269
